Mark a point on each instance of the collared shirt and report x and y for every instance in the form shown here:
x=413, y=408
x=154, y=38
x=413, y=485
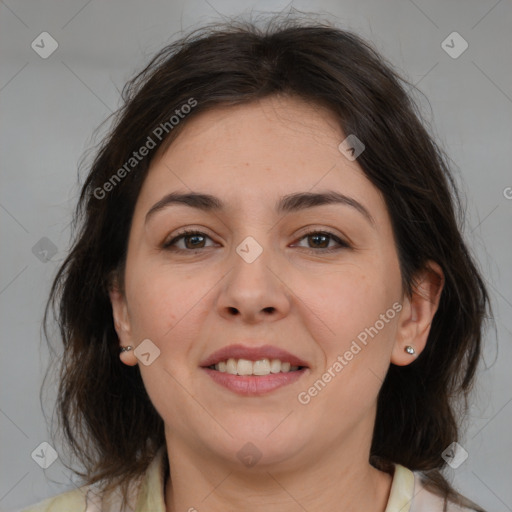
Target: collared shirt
x=407, y=494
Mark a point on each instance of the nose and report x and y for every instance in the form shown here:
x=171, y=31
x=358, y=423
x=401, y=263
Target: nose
x=255, y=288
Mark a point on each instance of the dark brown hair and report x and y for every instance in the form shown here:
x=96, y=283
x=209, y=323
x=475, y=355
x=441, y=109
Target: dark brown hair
x=103, y=408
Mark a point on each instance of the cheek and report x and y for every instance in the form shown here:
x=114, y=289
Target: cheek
x=358, y=306
x=158, y=300
x=353, y=298
x=361, y=313
x=164, y=308
x=169, y=306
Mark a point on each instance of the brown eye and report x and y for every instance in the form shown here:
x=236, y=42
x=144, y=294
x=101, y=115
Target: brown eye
x=192, y=240
x=320, y=238
x=320, y=241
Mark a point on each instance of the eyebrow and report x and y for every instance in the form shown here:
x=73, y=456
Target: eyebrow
x=286, y=204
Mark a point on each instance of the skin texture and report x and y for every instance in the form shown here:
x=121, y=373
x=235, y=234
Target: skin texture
x=294, y=296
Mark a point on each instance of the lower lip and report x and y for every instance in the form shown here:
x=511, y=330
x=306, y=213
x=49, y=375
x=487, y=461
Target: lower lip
x=254, y=385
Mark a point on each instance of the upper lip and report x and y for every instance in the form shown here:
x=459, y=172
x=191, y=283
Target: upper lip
x=252, y=354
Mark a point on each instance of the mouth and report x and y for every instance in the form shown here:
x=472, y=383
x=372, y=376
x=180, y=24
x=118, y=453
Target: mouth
x=258, y=368
x=253, y=370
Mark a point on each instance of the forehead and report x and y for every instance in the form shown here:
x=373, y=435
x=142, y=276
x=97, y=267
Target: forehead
x=256, y=152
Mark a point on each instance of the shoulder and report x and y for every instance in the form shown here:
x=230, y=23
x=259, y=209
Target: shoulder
x=83, y=499
x=409, y=494
x=89, y=498
x=70, y=501
x=427, y=501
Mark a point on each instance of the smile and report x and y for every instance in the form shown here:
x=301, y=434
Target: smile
x=256, y=368
x=253, y=371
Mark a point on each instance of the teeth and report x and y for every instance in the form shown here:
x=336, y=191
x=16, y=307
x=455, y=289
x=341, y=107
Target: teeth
x=261, y=367
x=230, y=366
x=244, y=367
x=275, y=366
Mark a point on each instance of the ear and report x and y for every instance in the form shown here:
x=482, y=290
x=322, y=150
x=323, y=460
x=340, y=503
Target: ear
x=417, y=314
x=122, y=322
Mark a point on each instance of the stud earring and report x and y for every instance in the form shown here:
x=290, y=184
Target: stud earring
x=125, y=349
x=409, y=349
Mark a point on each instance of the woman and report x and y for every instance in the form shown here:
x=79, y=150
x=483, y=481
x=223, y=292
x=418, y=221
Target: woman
x=269, y=303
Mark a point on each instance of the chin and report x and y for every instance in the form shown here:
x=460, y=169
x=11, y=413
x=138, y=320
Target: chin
x=263, y=444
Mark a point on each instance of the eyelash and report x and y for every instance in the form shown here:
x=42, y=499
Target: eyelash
x=184, y=234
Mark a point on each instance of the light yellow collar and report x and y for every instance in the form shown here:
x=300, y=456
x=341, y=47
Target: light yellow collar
x=402, y=490
x=152, y=493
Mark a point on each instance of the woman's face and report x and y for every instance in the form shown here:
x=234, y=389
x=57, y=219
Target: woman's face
x=254, y=278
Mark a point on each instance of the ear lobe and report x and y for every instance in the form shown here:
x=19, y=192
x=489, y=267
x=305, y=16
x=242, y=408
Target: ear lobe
x=417, y=314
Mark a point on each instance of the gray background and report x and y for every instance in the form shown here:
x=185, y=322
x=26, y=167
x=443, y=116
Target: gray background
x=50, y=107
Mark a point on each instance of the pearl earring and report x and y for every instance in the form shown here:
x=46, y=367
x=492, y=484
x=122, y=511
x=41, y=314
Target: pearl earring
x=409, y=349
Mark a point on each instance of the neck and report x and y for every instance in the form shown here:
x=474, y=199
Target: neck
x=336, y=480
